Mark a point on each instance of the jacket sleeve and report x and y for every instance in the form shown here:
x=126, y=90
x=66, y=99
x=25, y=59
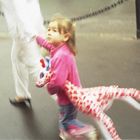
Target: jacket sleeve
x=60, y=75
x=43, y=42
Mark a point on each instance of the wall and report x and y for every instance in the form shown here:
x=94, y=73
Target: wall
x=119, y=21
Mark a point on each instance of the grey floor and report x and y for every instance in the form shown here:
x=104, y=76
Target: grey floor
x=101, y=62
x=104, y=58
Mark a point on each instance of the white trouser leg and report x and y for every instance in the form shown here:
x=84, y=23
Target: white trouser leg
x=25, y=60
x=22, y=24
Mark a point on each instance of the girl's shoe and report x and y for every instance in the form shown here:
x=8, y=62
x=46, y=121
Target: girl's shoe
x=78, y=131
x=64, y=135
x=92, y=135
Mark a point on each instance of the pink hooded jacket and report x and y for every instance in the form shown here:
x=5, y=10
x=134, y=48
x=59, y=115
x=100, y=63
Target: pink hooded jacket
x=63, y=67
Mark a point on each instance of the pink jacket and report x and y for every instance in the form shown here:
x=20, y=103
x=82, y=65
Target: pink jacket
x=63, y=67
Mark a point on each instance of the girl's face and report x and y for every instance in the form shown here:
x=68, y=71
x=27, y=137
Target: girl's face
x=53, y=35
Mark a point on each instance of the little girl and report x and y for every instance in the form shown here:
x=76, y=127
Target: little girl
x=61, y=45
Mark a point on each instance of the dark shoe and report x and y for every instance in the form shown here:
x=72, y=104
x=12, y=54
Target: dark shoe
x=19, y=102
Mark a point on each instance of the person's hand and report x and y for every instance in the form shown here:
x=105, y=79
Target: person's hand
x=33, y=37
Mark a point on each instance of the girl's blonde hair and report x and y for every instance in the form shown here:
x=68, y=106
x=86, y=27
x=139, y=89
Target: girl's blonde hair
x=65, y=25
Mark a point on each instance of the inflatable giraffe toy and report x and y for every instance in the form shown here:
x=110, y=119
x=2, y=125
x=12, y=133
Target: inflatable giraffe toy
x=96, y=100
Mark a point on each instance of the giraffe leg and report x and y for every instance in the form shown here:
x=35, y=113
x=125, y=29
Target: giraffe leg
x=103, y=129
x=128, y=92
x=116, y=92
x=105, y=123
x=132, y=102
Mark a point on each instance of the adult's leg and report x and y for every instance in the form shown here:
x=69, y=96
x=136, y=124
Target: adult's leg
x=25, y=58
x=22, y=24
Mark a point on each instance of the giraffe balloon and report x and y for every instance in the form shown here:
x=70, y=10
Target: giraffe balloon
x=96, y=100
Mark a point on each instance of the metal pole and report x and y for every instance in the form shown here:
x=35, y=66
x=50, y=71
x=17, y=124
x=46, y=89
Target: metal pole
x=137, y=3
